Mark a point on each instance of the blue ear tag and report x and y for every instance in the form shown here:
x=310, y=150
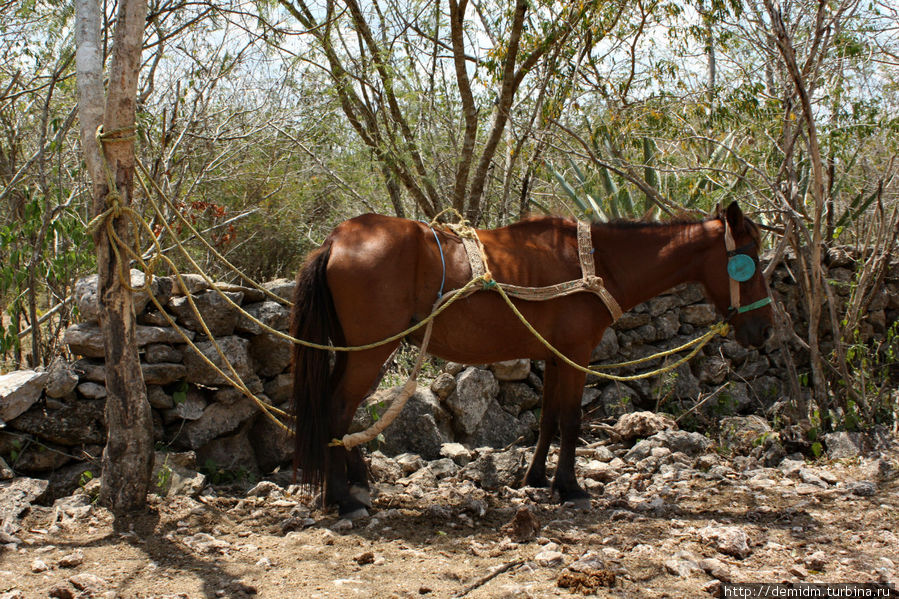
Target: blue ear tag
x=740, y=267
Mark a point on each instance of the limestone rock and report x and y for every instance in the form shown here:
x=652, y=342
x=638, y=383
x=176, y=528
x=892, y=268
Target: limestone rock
x=18, y=392
x=76, y=423
x=607, y=348
x=220, y=316
x=174, y=474
x=163, y=373
x=492, y=470
x=713, y=370
x=85, y=294
x=642, y=424
x=842, y=444
x=516, y=397
x=283, y=288
x=236, y=349
x=17, y=495
x=443, y=385
x=456, y=452
x=618, y=399
x=474, y=390
x=189, y=284
x=700, y=315
x=280, y=388
x=271, y=354
x=497, y=428
x=270, y=313
x=61, y=379
x=157, y=353
x=632, y=320
x=217, y=419
x=90, y=390
x=511, y=370
x=230, y=454
x=743, y=433
x=271, y=444
x=729, y=540
x=86, y=339
x=422, y=427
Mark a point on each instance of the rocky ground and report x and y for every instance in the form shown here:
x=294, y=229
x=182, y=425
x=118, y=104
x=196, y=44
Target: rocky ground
x=671, y=517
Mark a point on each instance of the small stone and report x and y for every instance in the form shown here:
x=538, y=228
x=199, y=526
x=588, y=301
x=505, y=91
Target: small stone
x=716, y=569
x=342, y=525
x=798, y=571
x=72, y=560
x=38, y=566
x=600, y=471
x=410, y=462
x=365, y=558
x=61, y=379
x=511, y=370
x=549, y=559
x=729, y=540
x=443, y=385
x=456, y=452
x=817, y=561
x=90, y=390
x=61, y=591
x=87, y=583
x=266, y=488
x=523, y=527
x=443, y=467
x=862, y=488
x=265, y=562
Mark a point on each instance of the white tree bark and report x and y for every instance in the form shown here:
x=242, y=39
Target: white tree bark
x=89, y=76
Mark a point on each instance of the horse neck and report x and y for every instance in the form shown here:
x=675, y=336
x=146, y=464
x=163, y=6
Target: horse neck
x=644, y=262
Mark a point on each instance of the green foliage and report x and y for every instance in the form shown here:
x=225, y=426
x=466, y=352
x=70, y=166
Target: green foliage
x=219, y=475
x=180, y=394
x=86, y=477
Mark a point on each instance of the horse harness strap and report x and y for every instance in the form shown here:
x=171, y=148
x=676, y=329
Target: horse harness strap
x=477, y=259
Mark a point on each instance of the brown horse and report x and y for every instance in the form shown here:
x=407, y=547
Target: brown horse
x=376, y=275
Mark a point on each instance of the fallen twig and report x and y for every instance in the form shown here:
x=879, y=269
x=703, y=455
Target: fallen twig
x=485, y=579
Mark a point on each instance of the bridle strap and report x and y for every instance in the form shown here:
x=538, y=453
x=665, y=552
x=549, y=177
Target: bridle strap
x=730, y=246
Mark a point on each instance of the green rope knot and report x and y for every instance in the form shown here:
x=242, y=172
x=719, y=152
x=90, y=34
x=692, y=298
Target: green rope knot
x=489, y=284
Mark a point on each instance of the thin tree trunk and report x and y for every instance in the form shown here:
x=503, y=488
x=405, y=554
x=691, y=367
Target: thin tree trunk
x=128, y=456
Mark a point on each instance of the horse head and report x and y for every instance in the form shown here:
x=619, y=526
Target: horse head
x=734, y=280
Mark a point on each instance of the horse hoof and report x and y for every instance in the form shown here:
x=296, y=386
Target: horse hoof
x=355, y=514
x=582, y=504
x=360, y=494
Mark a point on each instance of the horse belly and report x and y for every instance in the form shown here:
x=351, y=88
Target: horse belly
x=482, y=330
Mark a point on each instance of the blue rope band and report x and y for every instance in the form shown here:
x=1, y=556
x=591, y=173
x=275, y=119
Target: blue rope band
x=442, y=260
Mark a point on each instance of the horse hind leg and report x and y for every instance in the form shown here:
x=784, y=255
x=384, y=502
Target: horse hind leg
x=347, y=476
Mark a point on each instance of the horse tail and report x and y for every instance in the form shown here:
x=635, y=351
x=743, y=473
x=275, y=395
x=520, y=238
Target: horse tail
x=314, y=319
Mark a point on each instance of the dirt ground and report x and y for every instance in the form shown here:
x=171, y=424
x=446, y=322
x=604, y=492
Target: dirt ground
x=455, y=540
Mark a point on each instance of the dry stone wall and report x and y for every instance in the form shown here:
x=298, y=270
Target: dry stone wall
x=54, y=424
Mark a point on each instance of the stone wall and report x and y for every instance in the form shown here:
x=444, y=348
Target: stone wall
x=54, y=419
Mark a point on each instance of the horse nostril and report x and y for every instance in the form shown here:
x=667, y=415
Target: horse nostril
x=766, y=332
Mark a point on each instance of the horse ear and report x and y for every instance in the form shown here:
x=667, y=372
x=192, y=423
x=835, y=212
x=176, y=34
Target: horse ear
x=716, y=211
x=735, y=216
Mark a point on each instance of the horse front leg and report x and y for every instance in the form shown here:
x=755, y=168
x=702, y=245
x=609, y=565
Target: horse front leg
x=549, y=425
x=569, y=391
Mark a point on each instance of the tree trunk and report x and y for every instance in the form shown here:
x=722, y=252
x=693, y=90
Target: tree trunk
x=128, y=456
